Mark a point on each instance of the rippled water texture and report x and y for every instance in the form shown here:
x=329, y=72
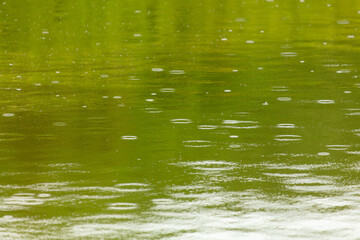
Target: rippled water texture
x=179, y=120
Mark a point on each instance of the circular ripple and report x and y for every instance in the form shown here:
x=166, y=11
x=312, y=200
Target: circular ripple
x=167, y=90
x=287, y=138
x=207, y=127
x=122, y=206
x=197, y=143
x=180, y=121
x=7, y=137
x=325, y=101
x=129, y=137
x=285, y=125
x=132, y=187
x=177, y=72
x=338, y=147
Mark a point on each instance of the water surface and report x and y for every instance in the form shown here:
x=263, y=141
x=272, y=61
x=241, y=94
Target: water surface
x=179, y=120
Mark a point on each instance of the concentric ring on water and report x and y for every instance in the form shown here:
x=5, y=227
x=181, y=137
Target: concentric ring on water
x=180, y=121
x=122, y=206
x=129, y=137
x=287, y=138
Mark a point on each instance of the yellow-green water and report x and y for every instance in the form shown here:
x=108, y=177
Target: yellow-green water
x=179, y=120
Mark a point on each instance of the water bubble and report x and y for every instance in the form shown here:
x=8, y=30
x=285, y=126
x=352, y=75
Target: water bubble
x=323, y=153
x=233, y=136
x=137, y=35
x=104, y=75
x=149, y=100
x=250, y=41
x=227, y=90
x=117, y=97
x=224, y=39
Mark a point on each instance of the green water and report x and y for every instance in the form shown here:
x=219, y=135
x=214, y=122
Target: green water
x=179, y=120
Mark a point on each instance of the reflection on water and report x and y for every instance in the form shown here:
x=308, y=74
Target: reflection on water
x=179, y=120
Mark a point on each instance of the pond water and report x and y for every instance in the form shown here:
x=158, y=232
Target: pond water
x=179, y=120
